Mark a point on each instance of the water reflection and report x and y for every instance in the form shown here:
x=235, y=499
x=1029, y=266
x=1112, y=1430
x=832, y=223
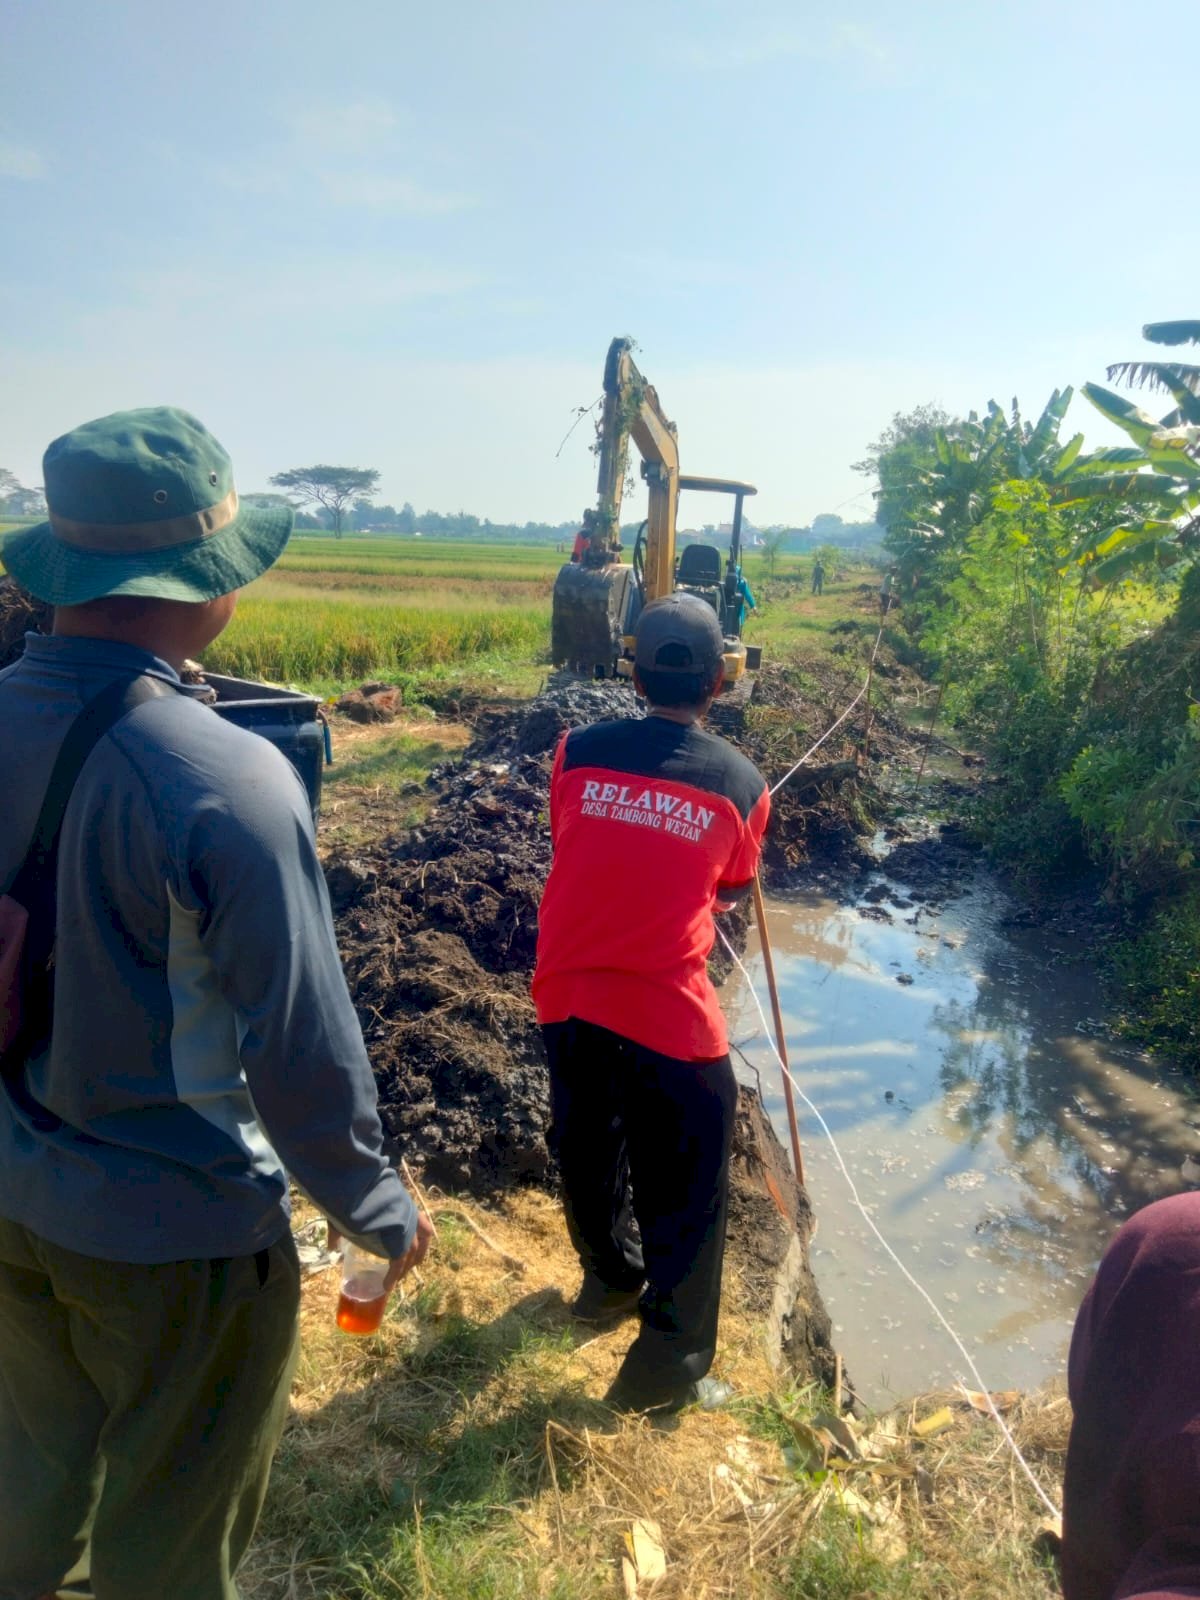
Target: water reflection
x=998, y=1145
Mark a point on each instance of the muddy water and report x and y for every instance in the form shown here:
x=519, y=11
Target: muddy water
x=997, y=1135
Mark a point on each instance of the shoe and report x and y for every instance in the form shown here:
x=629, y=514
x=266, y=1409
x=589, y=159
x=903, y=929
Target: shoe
x=710, y=1394
x=596, y=1302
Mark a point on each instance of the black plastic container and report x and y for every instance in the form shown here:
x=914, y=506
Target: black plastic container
x=285, y=717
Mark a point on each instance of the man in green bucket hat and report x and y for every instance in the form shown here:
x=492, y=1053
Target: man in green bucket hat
x=198, y=1042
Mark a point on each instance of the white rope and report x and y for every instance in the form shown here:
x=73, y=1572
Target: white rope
x=870, y=1221
x=793, y=770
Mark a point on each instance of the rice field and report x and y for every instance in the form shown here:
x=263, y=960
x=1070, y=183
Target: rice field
x=334, y=612
x=425, y=613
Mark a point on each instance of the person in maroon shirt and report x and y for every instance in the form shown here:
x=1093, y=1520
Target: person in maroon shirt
x=655, y=823
x=1131, y=1496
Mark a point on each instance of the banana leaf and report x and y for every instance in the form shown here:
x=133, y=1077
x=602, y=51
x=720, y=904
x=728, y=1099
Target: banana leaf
x=1048, y=424
x=1175, y=378
x=1160, y=553
x=1138, y=424
x=1103, y=461
x=1138, y=487
x=1066, y=458
x=1170, y=451
x=1105, y=542
x=1185, y=331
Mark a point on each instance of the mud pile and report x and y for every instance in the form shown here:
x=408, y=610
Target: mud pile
x=819, y=817
x=438, y=928
x=20, y=614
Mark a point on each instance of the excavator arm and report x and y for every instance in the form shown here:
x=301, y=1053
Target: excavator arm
x=631, y=408
x=597, y=598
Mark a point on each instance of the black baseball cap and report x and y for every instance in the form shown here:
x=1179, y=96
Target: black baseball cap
x=688, y=624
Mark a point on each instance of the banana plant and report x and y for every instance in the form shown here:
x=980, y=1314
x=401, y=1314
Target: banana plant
x=1161, y=474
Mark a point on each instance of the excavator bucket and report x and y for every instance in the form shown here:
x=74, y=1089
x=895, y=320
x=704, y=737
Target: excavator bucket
x=590, y=615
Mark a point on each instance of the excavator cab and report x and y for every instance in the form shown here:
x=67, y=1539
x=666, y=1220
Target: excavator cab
x=700, y=571
x=598, y=598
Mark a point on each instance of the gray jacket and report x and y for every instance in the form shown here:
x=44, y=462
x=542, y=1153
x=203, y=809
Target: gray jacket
x=204, y=1040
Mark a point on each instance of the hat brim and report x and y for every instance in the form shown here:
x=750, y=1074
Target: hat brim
x=64, y=575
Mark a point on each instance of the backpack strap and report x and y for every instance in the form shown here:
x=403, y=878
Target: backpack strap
x=35, y=884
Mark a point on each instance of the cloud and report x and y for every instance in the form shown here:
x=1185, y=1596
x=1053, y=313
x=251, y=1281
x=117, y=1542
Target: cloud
x=357, y=128
x=21, y=161
x=841, y=41
x=275, y=291
x=380, y=191
x=359, y=155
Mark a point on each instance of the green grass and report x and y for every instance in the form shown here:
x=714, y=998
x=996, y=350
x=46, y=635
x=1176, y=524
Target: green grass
x=790, y=619
x=389, y=762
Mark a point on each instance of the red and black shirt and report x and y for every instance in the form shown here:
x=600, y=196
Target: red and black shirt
x=653, y=822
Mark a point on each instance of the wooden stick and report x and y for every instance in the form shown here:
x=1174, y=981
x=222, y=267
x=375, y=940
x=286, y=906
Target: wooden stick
x=866, y=744
x=419, y=1197
x=513, y=1263
x=760, y=911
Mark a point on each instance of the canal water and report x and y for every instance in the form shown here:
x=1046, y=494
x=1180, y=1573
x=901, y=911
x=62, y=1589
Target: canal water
x=996, y=1133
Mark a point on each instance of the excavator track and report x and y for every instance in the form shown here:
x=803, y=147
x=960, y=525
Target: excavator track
x=728, y=711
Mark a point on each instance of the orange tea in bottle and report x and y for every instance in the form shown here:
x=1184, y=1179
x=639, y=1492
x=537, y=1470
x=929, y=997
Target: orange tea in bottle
x=358, y=1315
x=363, y=1299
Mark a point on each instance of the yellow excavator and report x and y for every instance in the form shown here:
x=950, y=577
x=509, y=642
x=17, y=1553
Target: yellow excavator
x=597, y=596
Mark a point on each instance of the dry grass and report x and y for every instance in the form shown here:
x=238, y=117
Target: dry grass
x=373, y=787
x=466, y=1452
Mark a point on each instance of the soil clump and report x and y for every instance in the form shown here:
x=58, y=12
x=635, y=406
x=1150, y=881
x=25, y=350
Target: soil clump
x=20, y=614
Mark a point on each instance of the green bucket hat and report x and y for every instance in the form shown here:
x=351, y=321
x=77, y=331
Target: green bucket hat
x=142, y=503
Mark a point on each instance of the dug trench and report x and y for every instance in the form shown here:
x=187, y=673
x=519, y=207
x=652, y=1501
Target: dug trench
x=438, y=928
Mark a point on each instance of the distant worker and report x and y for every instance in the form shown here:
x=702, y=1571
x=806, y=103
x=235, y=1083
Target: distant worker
x=887, y=591
x=1131, y=1495
x=818, y=577
x=656, y=824
x=581, y=544
x=198, y=1045
x=745, y=597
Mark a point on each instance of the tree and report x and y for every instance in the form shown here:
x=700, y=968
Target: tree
x=332, y=488
x=897, y=460
x=772, y=546
x=17, y=500
x=265, y=501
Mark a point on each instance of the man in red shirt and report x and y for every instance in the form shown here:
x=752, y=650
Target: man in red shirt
x=656, y=823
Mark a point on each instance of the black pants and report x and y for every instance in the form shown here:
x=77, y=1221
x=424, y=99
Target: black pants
x=624, y=1116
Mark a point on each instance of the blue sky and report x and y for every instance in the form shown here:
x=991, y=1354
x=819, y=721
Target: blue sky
x=401, y=236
